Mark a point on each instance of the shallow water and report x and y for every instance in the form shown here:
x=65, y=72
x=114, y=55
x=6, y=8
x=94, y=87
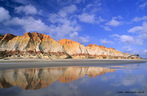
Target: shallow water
x=110, y=80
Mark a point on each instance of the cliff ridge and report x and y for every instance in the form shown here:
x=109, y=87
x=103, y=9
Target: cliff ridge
x=36, y=45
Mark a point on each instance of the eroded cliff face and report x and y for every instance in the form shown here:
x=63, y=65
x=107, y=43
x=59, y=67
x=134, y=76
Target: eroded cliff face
x=74, y=49
x=31, y=45
x=40, y=78
x=36, y=45
x=101, y=52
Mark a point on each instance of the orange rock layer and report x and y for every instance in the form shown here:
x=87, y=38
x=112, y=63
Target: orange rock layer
x=36, y=45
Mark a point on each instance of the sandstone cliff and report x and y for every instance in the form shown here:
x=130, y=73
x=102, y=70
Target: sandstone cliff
x=31, y=45
x=74, y=49
x=101, y=52
x=36, y=45
x=40, y=78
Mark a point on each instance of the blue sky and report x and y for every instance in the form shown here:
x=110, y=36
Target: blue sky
x=120, y=24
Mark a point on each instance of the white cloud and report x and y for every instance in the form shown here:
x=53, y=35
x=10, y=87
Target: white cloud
x=87, y=18
x=135, y=29
x=65, y=27
x=114, y=35
x=70, y=9
x=63, y=30
x=114, y=22
x=143, y=5
x=141, y=30
x=90, y=18
x=136, y=19
x=28, y=24
x=128, y=39
x=88, y=6
x=62, y=26
x=84, y=39
x=106, y=28
x=93, y=7
x=28, y=9
x=67, y=10
x=4, y=14
x=105, y=41
x=100, y=19
x=75, y=36
x=55, y=18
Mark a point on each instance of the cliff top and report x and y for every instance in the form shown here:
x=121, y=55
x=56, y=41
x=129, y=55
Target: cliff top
x=67, y=41
x=8, y=36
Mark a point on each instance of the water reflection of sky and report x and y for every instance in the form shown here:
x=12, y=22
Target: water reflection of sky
x=77, y=81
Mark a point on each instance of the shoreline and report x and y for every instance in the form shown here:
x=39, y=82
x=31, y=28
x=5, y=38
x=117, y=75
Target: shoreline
x=39, y=63
x=35, y=60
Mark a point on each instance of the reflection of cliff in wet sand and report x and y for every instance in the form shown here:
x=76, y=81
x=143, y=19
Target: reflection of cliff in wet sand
x=39, y=78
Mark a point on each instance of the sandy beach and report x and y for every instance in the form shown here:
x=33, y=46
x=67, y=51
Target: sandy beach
x=38, y=63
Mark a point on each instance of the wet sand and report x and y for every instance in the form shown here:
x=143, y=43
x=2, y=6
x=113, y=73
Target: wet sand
x=38, y=63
